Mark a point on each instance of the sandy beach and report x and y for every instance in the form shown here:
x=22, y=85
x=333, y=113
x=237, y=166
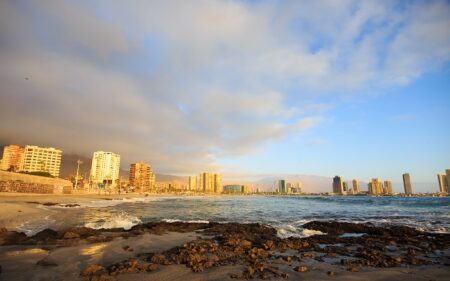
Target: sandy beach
x=208, y=251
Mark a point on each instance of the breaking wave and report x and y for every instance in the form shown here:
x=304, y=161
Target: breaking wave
x=120, y=220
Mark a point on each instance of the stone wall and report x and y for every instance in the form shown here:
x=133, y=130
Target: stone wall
x=16, y=182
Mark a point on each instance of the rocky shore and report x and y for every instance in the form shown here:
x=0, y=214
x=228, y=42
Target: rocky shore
x=253, y=250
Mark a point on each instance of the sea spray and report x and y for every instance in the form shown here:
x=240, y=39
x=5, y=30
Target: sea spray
x=120, y=220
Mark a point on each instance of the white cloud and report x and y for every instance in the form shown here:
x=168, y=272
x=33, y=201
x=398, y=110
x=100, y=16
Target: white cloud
x=181, y=83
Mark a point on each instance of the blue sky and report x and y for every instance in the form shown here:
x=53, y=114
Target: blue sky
x=245, y=88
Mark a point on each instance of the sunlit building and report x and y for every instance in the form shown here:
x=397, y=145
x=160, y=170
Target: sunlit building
x=355, y=186
x=295, y=188
x=12, y=158
x=105, y=168
x=375, y=187
x=192, y=185
x=387, y=189
x=407, y=183
x=218, y=183
x=442, y=180
x=142, y=178
x=210, y=183
x=41, y=159
x=447, y=176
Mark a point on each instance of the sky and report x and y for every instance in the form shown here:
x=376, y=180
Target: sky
x=359, y=89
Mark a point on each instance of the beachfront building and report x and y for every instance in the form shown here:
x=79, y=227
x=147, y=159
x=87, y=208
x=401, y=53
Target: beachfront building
x=236, y=189
x=41, y=159
x=142, y=178
x=282, y=187
x=345, y=186
x=12, y=158
x=375, y=187
x=105, y=168
x=294, y=187
x=355, y=186
x=210, y=183
x=442, y=180
x=447, y=177
x=218, y=188
x=192, y=184
x=407, y=183
x=338, y=185
x=387, y=189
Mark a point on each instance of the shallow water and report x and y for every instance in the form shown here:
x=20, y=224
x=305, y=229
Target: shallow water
x=286, y=214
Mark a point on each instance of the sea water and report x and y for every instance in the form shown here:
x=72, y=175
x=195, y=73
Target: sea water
x=286, y=213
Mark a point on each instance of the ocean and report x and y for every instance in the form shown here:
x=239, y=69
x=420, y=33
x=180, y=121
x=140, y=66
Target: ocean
x=286, y=213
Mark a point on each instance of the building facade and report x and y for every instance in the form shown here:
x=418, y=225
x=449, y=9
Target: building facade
x=105, y=168
x=443, y=186
x=387, y=188
x=447, y=176
x=218, y=188
x=407, y=183
x=338, y=186
x=355, y=186
x=282, y=186
x=192, y=184
x=375, y=187
x=12, y=158
x=210, y=183
x=41, y=159
x=142, y=178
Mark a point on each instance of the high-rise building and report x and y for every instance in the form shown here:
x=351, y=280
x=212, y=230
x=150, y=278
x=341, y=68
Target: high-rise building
x=41, y=159
x=192, y=183
x=338, y=186
x=387, y=188
x=142, y=177
x=447, y=176
x=282, y=186
x=218, y=183
x=345, y=186
x=407, y=183
x=105, y=168
x=295, y=187
x=210, y=183
x=12, y=158
x=375, y=187
x=206, y=182
x=443, y=186
x=355, y=186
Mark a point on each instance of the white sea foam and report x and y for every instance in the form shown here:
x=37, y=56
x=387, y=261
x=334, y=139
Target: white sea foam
x=289, y=230
x=32, y=227
x=121, y=220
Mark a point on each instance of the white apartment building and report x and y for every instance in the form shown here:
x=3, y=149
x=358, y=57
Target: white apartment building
x=41, y=159
x=105, y=167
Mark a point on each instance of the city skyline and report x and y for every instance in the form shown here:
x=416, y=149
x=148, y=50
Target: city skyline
x=251, y=88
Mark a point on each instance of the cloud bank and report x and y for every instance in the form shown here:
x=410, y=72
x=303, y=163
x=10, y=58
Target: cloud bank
x=180, y=84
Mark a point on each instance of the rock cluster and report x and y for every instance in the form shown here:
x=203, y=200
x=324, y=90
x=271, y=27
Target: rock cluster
x=257, y=248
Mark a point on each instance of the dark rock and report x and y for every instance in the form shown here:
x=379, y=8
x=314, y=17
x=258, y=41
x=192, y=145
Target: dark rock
x=47, y=261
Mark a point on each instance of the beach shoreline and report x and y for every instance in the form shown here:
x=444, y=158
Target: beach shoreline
x=208, y=250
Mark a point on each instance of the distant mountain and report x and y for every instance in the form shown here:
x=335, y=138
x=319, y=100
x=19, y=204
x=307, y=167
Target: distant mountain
x=310, y=183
